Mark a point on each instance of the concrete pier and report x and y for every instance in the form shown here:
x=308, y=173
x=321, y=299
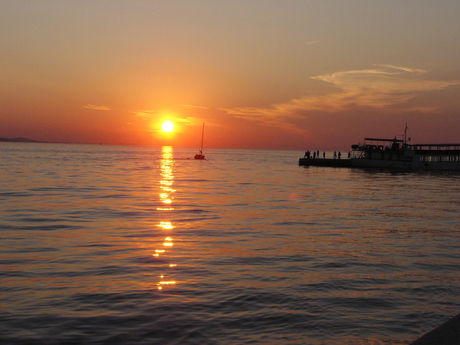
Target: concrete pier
x=325, y=162
x=446, y=334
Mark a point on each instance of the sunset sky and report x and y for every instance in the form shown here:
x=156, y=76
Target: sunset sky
x=316, y=74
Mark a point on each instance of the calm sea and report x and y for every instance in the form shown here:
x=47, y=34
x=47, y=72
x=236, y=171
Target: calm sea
x=135, y=245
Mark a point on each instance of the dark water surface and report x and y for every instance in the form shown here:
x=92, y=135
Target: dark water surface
x=128, y=245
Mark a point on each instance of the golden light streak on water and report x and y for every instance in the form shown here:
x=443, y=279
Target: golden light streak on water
x=166, y=225
x=166, y=197
x=168, y=242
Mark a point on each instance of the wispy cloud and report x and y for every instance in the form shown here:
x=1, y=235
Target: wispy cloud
x=145, y=114
x=277, y=116
x=312, y=42
x=193, y=106
x=383, y=86
x=405, y=69
x=189, y=121
x=185, y=120
x=96, y=107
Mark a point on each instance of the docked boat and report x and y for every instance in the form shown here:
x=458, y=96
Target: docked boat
x=395, y=154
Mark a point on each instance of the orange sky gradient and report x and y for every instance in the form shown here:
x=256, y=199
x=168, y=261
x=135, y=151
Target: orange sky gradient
x=260, y=74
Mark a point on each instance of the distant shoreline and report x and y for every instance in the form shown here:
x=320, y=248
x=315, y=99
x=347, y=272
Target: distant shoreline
x=22, y=140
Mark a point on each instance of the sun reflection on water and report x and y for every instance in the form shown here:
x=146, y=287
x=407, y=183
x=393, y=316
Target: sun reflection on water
x=166, y=198
x=167, y=177
x=166, y=225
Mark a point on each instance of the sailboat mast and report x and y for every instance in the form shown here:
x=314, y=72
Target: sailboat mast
x=202, y=137
x=200, y=155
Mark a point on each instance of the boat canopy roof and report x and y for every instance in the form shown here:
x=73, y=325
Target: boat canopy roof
x=390, y=140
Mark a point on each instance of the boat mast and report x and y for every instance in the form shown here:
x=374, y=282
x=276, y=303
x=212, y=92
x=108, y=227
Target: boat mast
x=202, y=136
x=405, y=134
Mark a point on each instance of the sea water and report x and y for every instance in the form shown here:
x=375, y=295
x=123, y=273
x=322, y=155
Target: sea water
x=139, y=245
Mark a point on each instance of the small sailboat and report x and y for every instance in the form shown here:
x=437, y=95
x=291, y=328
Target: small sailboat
x=201, y=155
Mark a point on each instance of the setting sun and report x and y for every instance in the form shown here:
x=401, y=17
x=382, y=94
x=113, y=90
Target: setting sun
x=167, y=126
